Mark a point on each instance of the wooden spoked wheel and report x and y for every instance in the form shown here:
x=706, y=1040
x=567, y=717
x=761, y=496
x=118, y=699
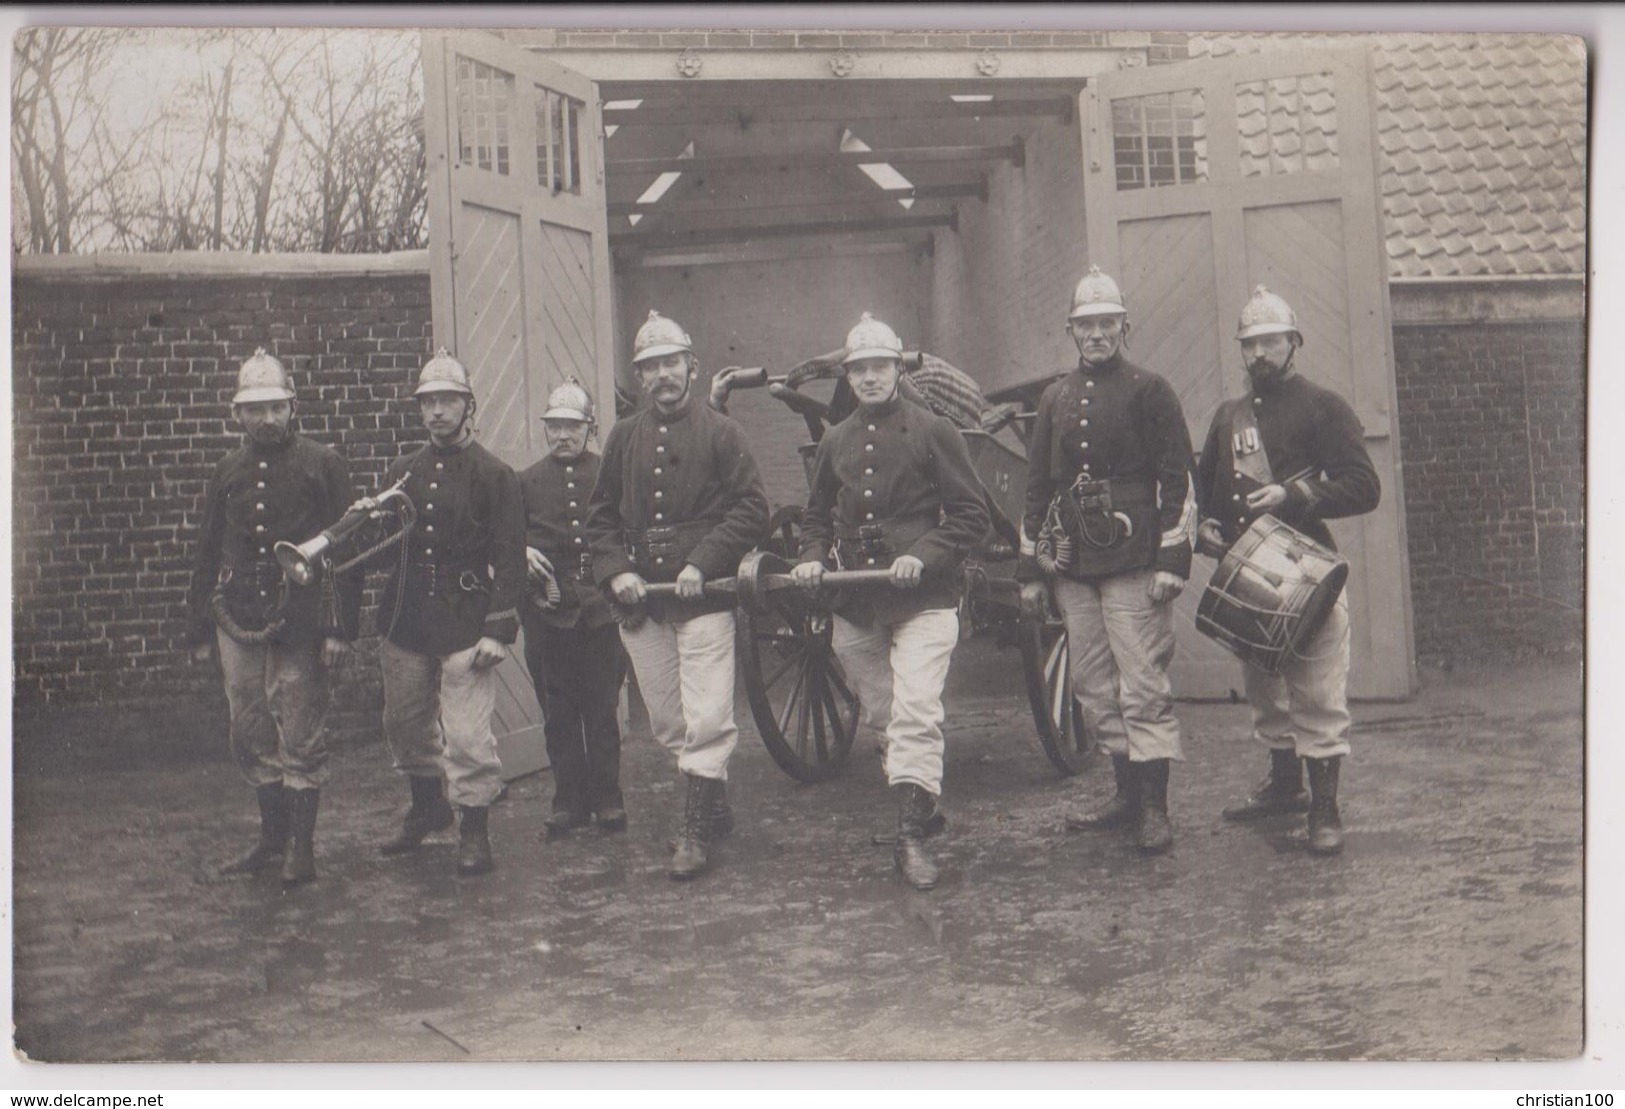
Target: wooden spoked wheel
x=1046, y=663
x=804, y=707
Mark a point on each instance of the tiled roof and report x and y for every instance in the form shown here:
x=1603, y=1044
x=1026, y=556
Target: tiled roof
x=1483, y=141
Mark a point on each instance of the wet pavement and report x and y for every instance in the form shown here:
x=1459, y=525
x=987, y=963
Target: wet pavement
x=1450, y=928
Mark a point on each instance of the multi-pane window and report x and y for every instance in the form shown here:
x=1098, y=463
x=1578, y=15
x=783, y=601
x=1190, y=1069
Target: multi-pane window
x=484, y=97
x=558, y=141
x=1159, y=139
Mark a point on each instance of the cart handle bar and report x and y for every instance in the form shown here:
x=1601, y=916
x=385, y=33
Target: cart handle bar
x=727, y=587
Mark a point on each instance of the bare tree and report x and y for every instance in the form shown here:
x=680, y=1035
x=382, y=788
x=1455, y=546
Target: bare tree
x=289, y=140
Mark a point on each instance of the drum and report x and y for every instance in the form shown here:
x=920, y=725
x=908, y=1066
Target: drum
x=1271, y=592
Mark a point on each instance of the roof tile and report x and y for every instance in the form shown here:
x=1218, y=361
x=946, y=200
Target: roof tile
x=1482, y=142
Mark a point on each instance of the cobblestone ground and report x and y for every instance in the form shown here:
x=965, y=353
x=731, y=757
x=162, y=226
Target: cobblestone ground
x=1449, y=929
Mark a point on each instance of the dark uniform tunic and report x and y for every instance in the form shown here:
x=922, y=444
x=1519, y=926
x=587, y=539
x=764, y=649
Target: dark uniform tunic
x=556, y=496
x=674, y=489
x=893, y=480
x=465, y=559
x=1123, y=424
x=1303, y=427
x=573, y=651
x=259, y=496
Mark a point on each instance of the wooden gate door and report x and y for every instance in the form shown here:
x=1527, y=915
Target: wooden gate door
x=1204, y=179
x=518, y=262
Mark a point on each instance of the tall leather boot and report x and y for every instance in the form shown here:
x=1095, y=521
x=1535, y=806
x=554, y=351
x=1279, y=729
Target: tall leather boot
x=1154, y=834
x=699, y=815
x=1280, y=792
x=1120, y=811
x=473, y=841
x=430, y=812
x=273, y=833
x=914, y=808
x=722, y=813
x=1325, y=825
x=300, y=865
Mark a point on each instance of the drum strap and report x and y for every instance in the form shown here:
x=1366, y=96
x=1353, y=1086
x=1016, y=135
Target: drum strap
x=1247, y=445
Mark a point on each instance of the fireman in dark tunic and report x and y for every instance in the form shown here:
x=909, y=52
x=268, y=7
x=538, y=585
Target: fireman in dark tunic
x=893, y=488
x=572, y=646
x=1109, y=520
x=278, y=641
x=1296, y=451
x=448, y=615
x=679, y=499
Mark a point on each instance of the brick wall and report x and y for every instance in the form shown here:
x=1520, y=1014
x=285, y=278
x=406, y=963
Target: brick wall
x=1492, y=436
x=121, y=389
x=1001, y=285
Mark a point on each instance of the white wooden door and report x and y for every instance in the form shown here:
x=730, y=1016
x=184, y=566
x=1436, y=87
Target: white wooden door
x=1204, y=179
x=519, y=262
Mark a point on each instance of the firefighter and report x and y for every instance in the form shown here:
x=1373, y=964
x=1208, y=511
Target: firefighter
x=572, y=646
x=279, y=642
x=1107, y=529
x=893, y=488
x=449, y=612
x=1293, y=450
x=679, y=499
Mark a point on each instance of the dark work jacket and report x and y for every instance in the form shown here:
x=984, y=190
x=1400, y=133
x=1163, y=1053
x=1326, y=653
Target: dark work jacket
x=465, y=558
x=690, y=471
x=1303, y=426
x=898, y=467
x=258, y=497
x=556, y=495
x=1114, y=421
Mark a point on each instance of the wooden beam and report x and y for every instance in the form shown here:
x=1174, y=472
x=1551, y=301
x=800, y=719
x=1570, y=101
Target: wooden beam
x=900, y=155
x=973, y=189
x=690, y=237
x=746, y=113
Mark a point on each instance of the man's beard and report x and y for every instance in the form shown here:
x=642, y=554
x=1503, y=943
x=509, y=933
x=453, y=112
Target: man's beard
x=268, y=435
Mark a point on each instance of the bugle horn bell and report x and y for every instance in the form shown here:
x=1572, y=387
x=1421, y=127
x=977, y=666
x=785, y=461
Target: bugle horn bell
x=299, y=561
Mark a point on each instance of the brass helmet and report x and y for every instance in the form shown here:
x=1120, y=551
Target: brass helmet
x=659, y=336
x=1267, y=314
x=570, y=401
x=1096, y=295
x=871, y=339
x=262, y=378
x=443, y=374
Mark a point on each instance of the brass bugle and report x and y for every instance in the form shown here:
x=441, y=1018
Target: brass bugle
x=299, y=561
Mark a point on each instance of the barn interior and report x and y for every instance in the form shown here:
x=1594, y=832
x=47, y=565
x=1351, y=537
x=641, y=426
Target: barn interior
x=765, y=216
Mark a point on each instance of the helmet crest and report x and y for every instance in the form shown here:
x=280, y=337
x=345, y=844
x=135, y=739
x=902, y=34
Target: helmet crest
x=659, y=336
x=443, y=374
x=262, y=378
x=871, y=339
x=1267, y=314
x=1096, y=295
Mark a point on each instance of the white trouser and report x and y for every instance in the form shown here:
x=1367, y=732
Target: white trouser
x=1121, y=643
x=897, y=671
x=685, y=672
x=278, y=698
x=1306, y=707
x=437, y=719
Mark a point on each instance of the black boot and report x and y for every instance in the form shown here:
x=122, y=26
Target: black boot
x=1154, y=834
x=699, y=814
x=300, y=866
x=430, y=812
x=1120, y=811
x=722, y=813
x=1281, y=791
x=273, y=833
x=563, y=821
x=473, y=841
x=914, y=807
x=1325, y=825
